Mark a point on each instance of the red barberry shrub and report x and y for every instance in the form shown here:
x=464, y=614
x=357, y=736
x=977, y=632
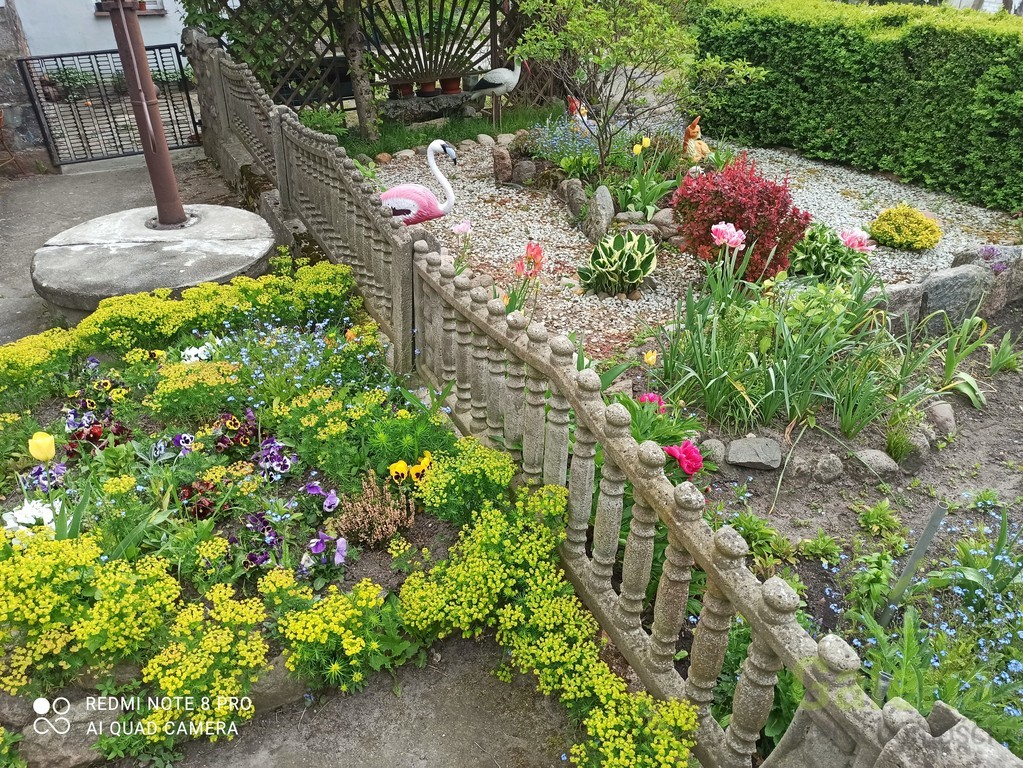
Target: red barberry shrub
x=739, y=195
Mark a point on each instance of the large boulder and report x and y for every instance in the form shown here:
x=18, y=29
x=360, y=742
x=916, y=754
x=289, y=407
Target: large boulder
x=502, y=164
x=957, y=291
x=599, y=215
x=524, y=172
x=575, y=197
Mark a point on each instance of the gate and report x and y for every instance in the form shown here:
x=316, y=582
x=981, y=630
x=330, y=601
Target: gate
x=81, y=100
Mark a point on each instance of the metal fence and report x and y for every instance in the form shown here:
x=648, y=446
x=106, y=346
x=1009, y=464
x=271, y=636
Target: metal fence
x=81, y=100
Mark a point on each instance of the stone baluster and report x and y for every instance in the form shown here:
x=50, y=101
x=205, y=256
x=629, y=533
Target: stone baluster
x=448, y=346
x=580, y=483
x=515, y=396
x=710, y=640
x=463, y=352
x=754, y=692
x=673, y=589
x=639, y=547
x=429, y=318
x=608, y=522
x=497, y=361
x=534, y=416
x=480, y=341
x=555, y=455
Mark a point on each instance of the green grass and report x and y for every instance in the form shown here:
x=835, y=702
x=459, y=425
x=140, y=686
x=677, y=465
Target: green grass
x=396, y=136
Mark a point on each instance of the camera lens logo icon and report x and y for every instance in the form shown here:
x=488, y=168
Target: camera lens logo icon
x=55, y=709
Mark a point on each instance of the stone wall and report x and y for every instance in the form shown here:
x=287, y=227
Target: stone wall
x=21, y=128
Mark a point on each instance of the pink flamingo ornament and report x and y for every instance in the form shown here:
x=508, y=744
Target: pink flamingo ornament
x=414, y=203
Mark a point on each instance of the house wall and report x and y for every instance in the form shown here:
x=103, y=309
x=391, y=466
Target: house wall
x=991, y=6
x=69, y=26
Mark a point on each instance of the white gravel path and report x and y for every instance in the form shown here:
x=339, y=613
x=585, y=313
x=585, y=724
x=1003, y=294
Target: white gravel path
x=504, y=219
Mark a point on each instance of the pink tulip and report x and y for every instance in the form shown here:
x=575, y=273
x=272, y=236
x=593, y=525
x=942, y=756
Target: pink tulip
x=857, y=239
x=687, y=455
x=653, y=397
x=727, y=234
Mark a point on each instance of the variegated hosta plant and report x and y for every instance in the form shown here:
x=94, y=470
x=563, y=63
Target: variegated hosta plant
x=619, y=263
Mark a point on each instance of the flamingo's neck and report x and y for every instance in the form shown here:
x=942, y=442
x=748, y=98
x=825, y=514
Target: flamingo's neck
x=449, y=194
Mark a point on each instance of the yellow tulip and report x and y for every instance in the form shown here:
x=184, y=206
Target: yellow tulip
x=399, y=471
x=650, y=358
x=637, y=148
x=40, y=445
x=646, y=142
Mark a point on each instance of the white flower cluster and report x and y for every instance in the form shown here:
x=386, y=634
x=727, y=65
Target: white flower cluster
x=31, y=513
x=195, y=354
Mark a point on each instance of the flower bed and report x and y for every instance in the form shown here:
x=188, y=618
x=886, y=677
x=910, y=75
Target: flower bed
x=201, y=478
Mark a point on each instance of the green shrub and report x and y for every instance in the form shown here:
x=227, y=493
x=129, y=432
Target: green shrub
x=619, y=263
x=458, y=484
x=906, y=228
x=325, y=120
x=839, y=76
x=822, y=253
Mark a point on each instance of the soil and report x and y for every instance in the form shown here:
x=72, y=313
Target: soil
x=435, y=535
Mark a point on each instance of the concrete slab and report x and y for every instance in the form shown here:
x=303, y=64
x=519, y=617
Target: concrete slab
x=117, y=254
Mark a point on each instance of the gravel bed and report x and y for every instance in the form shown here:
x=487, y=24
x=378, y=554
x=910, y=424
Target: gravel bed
x=505, y=218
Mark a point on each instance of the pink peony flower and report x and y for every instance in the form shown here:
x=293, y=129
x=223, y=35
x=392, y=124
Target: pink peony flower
x=653, y=397
x=857, y=239
x=687, y=455
x=727, y=234
x=462, y=228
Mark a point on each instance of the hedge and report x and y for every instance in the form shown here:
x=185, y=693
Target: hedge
x=932, y=94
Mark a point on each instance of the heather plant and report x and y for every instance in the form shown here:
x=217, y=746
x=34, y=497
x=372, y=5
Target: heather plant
x=906, y=228
x=373, y=517
x=761, y=208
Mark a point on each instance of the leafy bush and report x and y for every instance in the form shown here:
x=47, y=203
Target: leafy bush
x=838, y=73
x=906, y=228
x=822, y=253
x=195, y=391
x=325, y=120
x=64, y=609
x=458, y=484
x=619, y=263
x=739, y=195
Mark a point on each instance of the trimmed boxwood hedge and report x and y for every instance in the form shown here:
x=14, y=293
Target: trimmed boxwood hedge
x=934, y=95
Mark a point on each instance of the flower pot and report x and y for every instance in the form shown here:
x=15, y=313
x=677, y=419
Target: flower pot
x=451, y=85
x=427, y=89
x=404, y=90
x=142, y=5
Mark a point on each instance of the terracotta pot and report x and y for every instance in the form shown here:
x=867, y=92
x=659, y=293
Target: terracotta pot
x=404, y=90
x=451, y=85
x=428, y=89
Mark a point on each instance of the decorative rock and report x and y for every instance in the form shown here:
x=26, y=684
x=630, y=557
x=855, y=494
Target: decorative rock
x=620, y=296
x=665, y=218
x=754, y=453
x=958, y=291
x=363, y=158
x=828, y=469
x=485, y=140
x=677, y=242
x=650, y=230
x=404, y=154
x=902, y=303
x=635, y=296
x=877, y=462
x=504, y=139
x=576, y=197
x=599, y=215
x=15, y=711
x=561, y=191
x=276, y=688
x=467, y=144
x=74, y=748
x=524, y=172
x=521, y=132
x=412, y=110
x=629, y=216
x=943, y=418
x=917, y=456
x=384, y=158
x=800, y=467
x=502, y=164
x=429, y=125
x=714, y=450
x=421, y=150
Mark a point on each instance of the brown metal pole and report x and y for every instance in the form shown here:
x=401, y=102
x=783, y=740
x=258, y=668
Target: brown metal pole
x=146, y=105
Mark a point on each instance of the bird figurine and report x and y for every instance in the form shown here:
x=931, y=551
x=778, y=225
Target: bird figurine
x=498, y=82
x=414, y=203
x=579, y=115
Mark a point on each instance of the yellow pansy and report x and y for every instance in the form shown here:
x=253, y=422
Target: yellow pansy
x=399, y=471
x=417, y=472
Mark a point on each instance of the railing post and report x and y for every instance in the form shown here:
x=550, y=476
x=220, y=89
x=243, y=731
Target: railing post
x=277, y=129
x=639, y=547
x=673, y=590
x=478, y=408
x=428, y=331
x=555, y=456
x=515, y=396
x=463, y=354
x=448, y=346
x=580, y=484
x=754, y=692
x=710, y=640
x=497, y=361
x=534, y=418
x=608, y=522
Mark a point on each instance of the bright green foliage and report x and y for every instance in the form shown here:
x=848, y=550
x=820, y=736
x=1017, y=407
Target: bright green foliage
x=822, y=253
x=931, y=94
x=619, y=263
x=461, y=481
x=821, y=547
x=906, y=228
x=503, y=572
x=325, y=120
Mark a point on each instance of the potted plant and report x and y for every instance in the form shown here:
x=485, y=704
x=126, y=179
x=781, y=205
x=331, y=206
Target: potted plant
x=404, y=90
x=427, y=89
x=451, y=85
x=142, y=5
